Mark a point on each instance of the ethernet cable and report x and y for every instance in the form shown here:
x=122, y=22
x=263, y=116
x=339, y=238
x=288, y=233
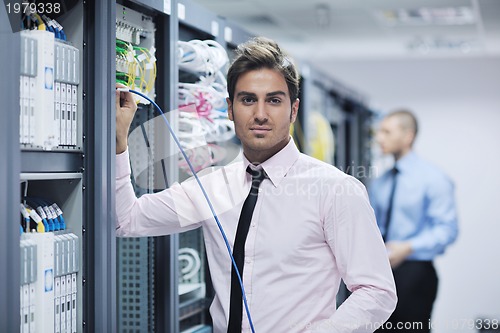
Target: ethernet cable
x=149, y=62
x=37, y=206
x=192, y=257
x=216, y=218
x=41, y=24
x=59, y=214
x=135, y=67
x=209, y=103
x=54, y=219
x=49, y=26
x=39, y=227
x=126, y=71
x=206, y=59
x=41, y=207
x=56, y=222
x=31, y=223
x=25, y=224
x=194, y=134
x=60, y=29
x=202, y=56
x=52, y=211
x=40, y=212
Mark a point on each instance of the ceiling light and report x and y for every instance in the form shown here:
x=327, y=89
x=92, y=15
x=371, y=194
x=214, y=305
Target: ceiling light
x=427, y=16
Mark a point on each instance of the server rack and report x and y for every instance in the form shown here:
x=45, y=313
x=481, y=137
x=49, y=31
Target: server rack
x=146, y=292
x=347, y=112
x=336, y=117
x=359, y=121
x=79, y=178
x=100, y=245
x=194, y=294
x=135, y=256
x=9, y=176
x=166, y=283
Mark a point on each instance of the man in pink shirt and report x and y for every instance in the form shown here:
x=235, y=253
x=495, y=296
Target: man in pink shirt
x=297, y=226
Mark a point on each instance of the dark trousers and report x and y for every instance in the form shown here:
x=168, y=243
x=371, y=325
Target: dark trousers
x=416, y=286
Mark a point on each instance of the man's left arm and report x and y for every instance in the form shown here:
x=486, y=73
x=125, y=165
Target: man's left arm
x=360, y=255
x=441, y=228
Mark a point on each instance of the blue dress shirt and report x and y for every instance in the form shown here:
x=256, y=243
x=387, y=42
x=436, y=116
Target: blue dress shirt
x=423, y=210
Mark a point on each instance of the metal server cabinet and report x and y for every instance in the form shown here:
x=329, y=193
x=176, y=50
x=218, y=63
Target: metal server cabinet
x=336, y=117
x=99, y=145
x=80, y=178
x=58, y=175
x=358, y=136
x=135, y=255
x=348, y=115
x=143, y=264
x=9, y=176
x=313, y=96
x=194, y=294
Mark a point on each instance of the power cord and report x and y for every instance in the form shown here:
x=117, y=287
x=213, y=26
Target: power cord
x=206, y=197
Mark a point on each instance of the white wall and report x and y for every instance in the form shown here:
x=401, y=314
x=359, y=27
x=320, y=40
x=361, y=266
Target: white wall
x=458, y=106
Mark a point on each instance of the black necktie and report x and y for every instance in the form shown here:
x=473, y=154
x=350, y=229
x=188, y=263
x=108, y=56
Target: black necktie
x=394, y=178
x=236, y=306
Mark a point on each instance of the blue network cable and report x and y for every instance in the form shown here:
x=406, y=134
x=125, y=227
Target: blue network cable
x=57, y=222
x=38, y=207
x=204, y=194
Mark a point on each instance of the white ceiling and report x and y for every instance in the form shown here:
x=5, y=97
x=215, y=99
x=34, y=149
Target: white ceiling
x=354, y=32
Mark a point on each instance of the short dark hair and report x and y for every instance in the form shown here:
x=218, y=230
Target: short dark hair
x=407, y=120
x=261, y=52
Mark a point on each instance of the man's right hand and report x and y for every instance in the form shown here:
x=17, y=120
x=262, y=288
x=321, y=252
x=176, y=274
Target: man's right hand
x=125, y=110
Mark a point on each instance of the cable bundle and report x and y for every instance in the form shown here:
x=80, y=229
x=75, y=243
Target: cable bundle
x=135, y=67
x=34, y=21
x=204, y=57
x=205, y=120
x=40, y=215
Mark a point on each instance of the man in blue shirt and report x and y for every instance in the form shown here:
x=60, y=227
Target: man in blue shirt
x=415, y=210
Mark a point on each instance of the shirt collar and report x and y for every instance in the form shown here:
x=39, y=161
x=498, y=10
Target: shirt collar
x=405, y=163
x=278, y=165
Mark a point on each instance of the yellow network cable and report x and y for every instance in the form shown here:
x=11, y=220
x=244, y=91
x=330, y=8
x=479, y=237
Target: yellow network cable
x=132, y=70
x=124, y=50
x=148, y=87
x=35, y=217
x=142, y=82
x=148, y=80
x=136, y=67
x=40, y=227
x=41, y=25
x=152, y=75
